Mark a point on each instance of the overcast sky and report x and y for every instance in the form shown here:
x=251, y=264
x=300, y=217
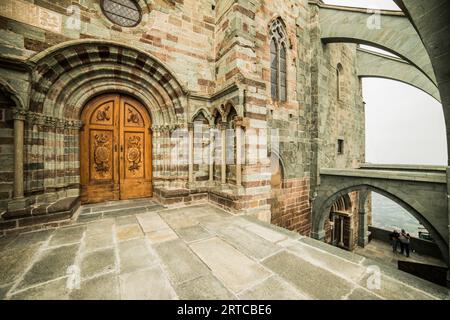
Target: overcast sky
x=404, y=125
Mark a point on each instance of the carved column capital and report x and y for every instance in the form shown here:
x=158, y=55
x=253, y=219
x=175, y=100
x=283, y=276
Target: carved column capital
x=242, y=122
x=19, y=114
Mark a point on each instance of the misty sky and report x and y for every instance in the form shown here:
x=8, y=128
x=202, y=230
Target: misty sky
x=404, y=125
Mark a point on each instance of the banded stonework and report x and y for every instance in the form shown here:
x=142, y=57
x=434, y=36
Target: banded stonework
x=203, y=71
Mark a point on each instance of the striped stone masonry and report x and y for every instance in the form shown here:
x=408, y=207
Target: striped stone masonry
x=189, y=62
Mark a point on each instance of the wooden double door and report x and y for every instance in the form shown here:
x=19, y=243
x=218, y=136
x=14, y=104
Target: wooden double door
x=115, y=149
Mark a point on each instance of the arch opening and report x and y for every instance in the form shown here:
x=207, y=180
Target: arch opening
x=321, y=213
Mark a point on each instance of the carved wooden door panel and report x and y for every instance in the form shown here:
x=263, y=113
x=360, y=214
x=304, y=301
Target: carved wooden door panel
x=135, y=150
x=115, y=149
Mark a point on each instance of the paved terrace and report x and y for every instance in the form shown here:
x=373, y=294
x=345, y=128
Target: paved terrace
x=140, y=250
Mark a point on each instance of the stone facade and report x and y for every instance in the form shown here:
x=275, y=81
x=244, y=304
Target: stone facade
x=201, y=63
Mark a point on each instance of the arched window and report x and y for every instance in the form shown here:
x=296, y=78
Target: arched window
x=274, y=69
x=278, y=61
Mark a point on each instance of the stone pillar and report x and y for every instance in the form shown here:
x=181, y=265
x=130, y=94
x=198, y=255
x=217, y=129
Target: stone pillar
x=341, y=226
x=191, y=152
x=363, y=238
x=224, y=154
x=238, y=156
x=18, y=201
x=18, y=157
x=211, y=155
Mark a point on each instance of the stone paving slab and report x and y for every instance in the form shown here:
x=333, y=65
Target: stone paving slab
x=313, y=282
x=151, y=222
x=344, y=268
x=206, y=287
x=128, y=232
x=27, y=239
x=140, y=250
x=148, y=284
x=4, y=290
x=135, y=255
x=51, y=264
x=98, y=262
x=67, y=236
x=54, y=290
x=180, y=262
x=99, y=241
x=273, y=288
x=266, y=233
x=249, y=244
x=14, y=261
x=233, y=268
x=105, y=287
x=162, y=235
x=194, y=233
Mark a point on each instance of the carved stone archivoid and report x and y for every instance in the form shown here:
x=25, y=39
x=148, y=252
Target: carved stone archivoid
x=134, y=154
x=101, y=153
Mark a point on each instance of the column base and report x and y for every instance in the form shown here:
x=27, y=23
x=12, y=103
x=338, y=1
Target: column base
x=18, y=204
x=362, y=242
x=318, y=235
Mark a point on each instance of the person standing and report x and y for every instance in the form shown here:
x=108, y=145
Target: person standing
x=405, y=240
x=394, y=238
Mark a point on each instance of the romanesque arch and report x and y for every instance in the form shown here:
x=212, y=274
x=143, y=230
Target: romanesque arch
x=324, y=202
x=67, y=76
x=64, y=79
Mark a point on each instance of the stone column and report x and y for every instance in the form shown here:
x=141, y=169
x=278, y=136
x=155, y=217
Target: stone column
x=241, y=123
x=238, y=156
x=224, y=153
x=19, y=118
x=341, y=225
x=211, y=155
x=18, y=201
x=363, y=238
x=191, y=152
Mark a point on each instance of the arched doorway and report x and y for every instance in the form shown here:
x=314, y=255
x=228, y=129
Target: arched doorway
x=115, y=148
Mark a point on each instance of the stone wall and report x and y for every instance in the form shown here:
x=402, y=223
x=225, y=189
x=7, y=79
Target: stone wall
x=186, y=57
x=6, y=151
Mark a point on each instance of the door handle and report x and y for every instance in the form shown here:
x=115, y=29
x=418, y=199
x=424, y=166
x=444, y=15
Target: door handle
x=121, y=148
x=115, y=148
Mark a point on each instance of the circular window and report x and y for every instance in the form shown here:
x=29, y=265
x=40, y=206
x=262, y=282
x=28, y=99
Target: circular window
x=125, y=13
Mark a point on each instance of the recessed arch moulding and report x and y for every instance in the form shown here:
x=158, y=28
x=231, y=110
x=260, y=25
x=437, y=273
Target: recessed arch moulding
x=66, y=77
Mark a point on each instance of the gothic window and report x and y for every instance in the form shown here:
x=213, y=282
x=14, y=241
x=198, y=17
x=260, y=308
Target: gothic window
x=278, y=61
x=274, y=69
x=125, y=13
x=283, y=78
